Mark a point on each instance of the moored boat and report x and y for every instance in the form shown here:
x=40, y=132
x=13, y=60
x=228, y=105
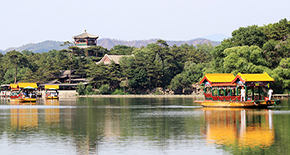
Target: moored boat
x=224, y=90
x=51, y=91
x=28, y=91
x=15, y=93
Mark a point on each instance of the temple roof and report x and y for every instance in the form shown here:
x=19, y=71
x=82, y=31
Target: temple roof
x=218, y=78
x=114, y=58
x=254, y=78
x=85, y=35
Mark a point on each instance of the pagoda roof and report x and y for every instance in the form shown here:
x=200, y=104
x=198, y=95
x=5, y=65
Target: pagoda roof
x=85, y=35
x=264, y=77
x=218, y=79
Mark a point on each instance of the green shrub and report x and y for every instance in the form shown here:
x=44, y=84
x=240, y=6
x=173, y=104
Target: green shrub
x=104, y=89
x=119, y=92
x=89, y=90
x=157, y=92
x=81, y=89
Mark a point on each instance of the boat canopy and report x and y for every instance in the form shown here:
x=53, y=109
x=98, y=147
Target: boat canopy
x=218, y=79
x=27, y=85
x=253, y=78
x=51, y=87
x=14, y=86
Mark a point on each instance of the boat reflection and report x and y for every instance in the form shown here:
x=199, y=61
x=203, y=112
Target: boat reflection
x=242, y=128
x=24, y=118
x=52, y=114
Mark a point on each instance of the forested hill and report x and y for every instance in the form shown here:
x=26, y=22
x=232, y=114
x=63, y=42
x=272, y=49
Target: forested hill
x=45, y=46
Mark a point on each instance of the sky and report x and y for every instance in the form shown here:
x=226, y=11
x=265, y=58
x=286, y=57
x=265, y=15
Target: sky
x=33, y=21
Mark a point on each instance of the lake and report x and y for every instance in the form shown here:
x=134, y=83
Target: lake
x=130, y=126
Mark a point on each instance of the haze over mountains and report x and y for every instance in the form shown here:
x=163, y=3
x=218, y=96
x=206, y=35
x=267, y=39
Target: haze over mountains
x=47, y=45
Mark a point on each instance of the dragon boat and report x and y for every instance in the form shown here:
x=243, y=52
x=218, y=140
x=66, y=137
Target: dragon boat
x=223, y=90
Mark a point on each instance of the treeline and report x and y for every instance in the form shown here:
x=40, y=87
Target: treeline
x=143, y=70
x=252, y=49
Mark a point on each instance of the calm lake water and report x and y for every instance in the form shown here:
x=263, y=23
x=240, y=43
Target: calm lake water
x=131, y=126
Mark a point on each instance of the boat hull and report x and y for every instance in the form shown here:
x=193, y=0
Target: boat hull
x=15, y=99
x=234, y=104
x=52, y=97
x=29, y=100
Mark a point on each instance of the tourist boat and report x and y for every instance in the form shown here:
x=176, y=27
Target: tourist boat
x=223, y=90
x=29, y=93
x=15, y=93
x=51, y=91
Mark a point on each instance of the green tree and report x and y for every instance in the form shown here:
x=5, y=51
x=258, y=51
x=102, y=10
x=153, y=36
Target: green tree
x=277, y=31
x=105, y=89
x=71, y=61
x=244, y=59
x=115, y=75
x=192, y=73
x=121, y=50
x=10, y=73
x=81, y=89
x=15, y=59
x=97, y=51
x=99, y=74
x=251, y=35
x=218, y=55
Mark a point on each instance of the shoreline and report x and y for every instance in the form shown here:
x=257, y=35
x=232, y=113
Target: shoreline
x=142, y=96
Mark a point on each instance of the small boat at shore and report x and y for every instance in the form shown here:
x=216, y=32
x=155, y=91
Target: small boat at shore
x=51, y=91
x=29, y=93
x=224, y=90
x=15, y=94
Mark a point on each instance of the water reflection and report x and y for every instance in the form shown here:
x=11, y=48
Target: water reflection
x=245, y=128
x=52, y=114
x=141, y=126
x=24, y=119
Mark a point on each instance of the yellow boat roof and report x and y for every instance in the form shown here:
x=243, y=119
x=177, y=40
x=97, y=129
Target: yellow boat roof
x=218, y=77
x=255, y=77
x=30, y=85
x=51, y=87
x=13, y=86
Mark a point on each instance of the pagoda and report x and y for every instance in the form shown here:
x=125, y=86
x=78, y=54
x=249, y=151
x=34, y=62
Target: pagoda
x=85, y=40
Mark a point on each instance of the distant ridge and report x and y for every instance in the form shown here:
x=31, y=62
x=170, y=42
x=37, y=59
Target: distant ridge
x=48, y=45
x=216, y=37
x=44, y=46
x=110, y=43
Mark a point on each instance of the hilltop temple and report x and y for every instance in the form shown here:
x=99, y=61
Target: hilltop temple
x=85, y=40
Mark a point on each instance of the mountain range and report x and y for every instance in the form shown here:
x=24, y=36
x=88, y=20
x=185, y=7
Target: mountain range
x=47, y=45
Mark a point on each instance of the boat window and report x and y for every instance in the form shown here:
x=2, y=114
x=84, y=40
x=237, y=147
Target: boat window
x=215, y=92
x=208, y=90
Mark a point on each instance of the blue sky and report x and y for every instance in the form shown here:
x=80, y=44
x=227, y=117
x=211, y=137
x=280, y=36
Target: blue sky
x=32, y=21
